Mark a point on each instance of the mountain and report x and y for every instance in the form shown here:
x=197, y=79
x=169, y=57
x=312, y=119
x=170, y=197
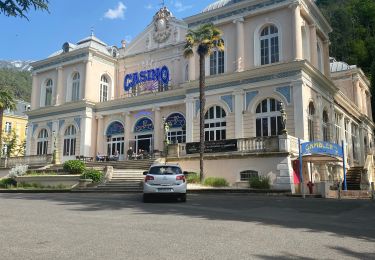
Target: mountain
x=16, y=65
x=15, y=76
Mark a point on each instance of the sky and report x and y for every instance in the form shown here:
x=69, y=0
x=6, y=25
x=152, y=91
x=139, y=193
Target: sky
x=73, y=20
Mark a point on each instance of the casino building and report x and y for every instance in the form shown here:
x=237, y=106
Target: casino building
x=90, y=97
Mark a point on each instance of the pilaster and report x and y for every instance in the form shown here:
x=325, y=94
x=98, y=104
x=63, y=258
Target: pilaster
x=100, y=135
x=60, y=87
x=238, y=110
x=158, y=127
x=189, y=102
x=313, y=46
x=296, y=27
x=240, y=44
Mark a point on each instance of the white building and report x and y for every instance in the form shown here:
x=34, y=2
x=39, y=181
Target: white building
x=275, y=51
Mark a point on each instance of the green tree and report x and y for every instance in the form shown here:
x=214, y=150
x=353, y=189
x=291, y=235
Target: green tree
x=203, y=40
x=18, y=83
x=19, y=8
x=6, y=102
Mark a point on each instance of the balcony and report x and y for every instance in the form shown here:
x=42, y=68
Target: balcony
x=254, y=145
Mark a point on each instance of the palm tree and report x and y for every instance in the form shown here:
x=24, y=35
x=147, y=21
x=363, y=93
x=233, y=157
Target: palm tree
x=205, y=39
x=6, y=102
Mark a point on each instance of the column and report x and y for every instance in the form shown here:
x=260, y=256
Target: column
x=313, y=45
x=29, y=138
x=100, y=136
x=369, y=106
x=300, y=112
x=158, y=129
x=238, y=115
x=327, y=69
x=240, y=44
x=56, y=141
x=189, y=103
x=192, y=68
x=85, y=142
x=296, y=27
x=60, y=87
x=127, y=130
x=86, y=90
x=35, y=95
x=362, y=149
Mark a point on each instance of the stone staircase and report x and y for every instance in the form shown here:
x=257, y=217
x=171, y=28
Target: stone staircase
x=123, y=181
x=353, y=178
x=127, y=175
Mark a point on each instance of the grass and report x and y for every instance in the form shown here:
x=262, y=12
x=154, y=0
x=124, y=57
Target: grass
x=193, y=177
x=260, y=182
x=215, y=182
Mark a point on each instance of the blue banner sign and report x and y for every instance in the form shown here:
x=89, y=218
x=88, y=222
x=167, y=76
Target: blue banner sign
x=318, y=147
x=160, y=75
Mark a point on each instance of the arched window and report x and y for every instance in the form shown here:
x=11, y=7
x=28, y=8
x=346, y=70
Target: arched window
x=103, y=89
x=187, y=72
x=48, y=97
x=42, y=144
x=310, y=124
x=269, y=45
x=115, y=139
x=215, y=124
x=268, y=118
x=75, y=87
x=217, y=62
x=177, y=130
x=325, y=126
x=70, y=141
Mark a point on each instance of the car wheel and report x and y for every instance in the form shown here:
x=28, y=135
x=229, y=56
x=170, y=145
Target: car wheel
x=183, y=197
x=146, y=199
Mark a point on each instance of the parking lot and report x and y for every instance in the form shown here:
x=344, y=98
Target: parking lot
x=208, y=226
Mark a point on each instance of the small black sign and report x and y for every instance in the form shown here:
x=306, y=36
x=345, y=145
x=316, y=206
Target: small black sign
x=229, y=145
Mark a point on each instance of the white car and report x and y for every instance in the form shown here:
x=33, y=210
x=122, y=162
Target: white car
x=164, y=179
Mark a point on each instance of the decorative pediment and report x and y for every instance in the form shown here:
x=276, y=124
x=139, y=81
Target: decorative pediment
x=164, y=30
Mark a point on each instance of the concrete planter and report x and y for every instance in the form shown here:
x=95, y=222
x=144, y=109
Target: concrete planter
x=50, y=180
x=83, y=183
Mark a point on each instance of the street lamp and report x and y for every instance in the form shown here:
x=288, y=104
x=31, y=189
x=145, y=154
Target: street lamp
x=283, y=119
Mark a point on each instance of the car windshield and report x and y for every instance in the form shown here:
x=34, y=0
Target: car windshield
x=165, y=170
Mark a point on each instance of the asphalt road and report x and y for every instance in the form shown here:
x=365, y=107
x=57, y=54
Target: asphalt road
x=208, y=226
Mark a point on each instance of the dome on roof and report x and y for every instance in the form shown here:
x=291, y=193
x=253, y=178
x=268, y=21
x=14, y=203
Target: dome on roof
x=337, y=66
x=216, y=5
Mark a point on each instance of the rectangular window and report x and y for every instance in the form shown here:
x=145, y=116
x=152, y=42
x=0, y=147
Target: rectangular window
x=8, y=127
x=258, y=127
x=273, y=126
x=264, y=50
x=265, y=126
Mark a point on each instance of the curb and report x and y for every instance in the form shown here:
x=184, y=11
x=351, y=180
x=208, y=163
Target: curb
x=194, y=191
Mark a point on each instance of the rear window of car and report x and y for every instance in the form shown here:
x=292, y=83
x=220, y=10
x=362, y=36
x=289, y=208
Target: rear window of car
x=165, y=170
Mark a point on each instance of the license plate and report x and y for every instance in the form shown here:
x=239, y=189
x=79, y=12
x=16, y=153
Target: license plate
x=165, y=189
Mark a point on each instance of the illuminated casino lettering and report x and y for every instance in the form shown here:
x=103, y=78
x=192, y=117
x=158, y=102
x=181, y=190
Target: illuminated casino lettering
x=160, y=75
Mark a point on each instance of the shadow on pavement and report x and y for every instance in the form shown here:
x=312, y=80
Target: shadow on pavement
x=352, y=218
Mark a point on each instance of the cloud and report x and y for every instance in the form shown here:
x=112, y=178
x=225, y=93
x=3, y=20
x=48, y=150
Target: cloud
x=179, y=6
x=149, y=6
x=117, y=13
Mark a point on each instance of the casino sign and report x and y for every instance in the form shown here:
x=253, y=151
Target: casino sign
x=157, y=75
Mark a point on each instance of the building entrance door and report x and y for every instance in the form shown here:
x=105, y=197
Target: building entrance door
x=144, y=143
x=115, y=143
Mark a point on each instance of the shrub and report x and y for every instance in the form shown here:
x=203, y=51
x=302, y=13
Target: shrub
x=260, y=182
x=193, y=177
x=74, y=167
x=95, y=175
x=8, y=183
x=215, y=182
x=18, y=170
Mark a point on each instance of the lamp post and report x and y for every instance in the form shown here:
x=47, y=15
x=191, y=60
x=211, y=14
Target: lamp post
x=54, y=147
x=283, y=119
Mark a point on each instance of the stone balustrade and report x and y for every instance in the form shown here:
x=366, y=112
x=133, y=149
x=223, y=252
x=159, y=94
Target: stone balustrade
x=31, y=160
